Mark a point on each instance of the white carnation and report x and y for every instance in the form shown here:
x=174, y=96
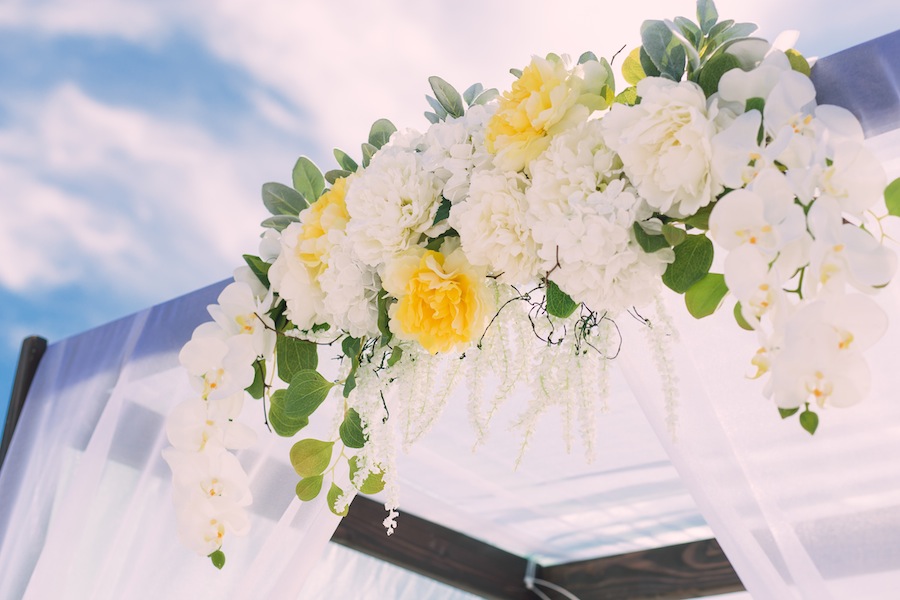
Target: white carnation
x=492, y=227
x=665, y=145
x=454, y=149
x=581, y=215
x=351, y=292
x=391, y=204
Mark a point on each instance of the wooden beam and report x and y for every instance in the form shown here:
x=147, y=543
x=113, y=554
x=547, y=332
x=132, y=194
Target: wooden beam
x=33, y=349
x=434, y=551
x=682, y=571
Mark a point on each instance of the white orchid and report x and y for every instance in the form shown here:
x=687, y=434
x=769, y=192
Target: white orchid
x=239, y=313
x=219, y=365
x=196, y=425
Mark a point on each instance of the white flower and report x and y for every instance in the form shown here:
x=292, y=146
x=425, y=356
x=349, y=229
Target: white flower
x=454, y=150
x=581, y=215
x=292, y=280
x=238, y=312
x=209, y=475
x=492, y=228
x=219, y=365
x=196, y=425
x=351, y=292
x=664, y=143
x=855, y=178
x=391, y=204
x=202, y=526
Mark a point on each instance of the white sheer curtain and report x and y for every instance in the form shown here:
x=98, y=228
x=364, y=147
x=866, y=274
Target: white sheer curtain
x=798, y=516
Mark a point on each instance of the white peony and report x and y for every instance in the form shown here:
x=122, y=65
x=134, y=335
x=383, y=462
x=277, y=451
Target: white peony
x=581, y=214
x=391, y=204
x=665, y=145
x=492, y=226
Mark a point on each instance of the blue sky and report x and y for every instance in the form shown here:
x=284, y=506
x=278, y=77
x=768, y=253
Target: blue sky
x=134, y=136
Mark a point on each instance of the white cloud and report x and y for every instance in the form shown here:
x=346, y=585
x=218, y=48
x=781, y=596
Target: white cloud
x=176, y=209
x=130, y=19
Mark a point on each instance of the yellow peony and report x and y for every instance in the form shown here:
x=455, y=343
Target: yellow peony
x=328, y=213
x=543, y=101
x=442, y=300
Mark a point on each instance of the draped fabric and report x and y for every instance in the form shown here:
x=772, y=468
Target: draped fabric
x=85, y=498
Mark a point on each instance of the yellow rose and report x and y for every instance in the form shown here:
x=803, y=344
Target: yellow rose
x=542, y=101
x=442, y=300
x=326, y=214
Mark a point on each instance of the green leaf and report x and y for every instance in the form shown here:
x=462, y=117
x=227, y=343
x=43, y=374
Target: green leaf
x=892, y=197
x=655, y=38
x=436, y=243
x=293, y=355
x=649, y=243
x=436, y=106
x=309, y=487
x=443, y=211
x=485, y=96
x=351, y=347
x=368, y=151
x=755, y=104
x=693, y=258
x=628, y=96
x=311, y=457
x=280, y=222
x=447, y=95
x=335, y=174
x=739, y=317
x=809, y=421
x=647, y=64
x=306, y=392
x=258, y=387
x=351, y=430
x=472, y=92
x=384, y=302
x=707, y=15
x=712, y=72
x=381, y=132
x=333, y=494
x=517, y=73
x=673, y=235
x=700, y=219
x=281, y=200
x=432, y=118
x=587, y=56
x=632, y=70
x=308, y=179
x=343, y=159
x=690, y=30
x=704, y=297
x=259, y=267
x=396, y=355
x=787, y=412
x=559, y=304
x=374, y=482
x=798, y=62
x=716, y=34
x=218, y=559
x=281, y=423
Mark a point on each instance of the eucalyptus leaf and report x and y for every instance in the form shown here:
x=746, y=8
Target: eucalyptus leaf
x=259, y=267
x=686, y=46
x=306, y=392
x=368, y=151
x=308, y=179
x=693, y=258
x=486, y=96
x=335, y=174
x=472, y=92
x=447, y=95
x=310, y=457
x=279, y=199
x=517, y=73
x=647, y=64
x=690, y=30
x=655, y=38
x=351, y=431
x=280, y=222
x=294, y=355
x=432, y=118
x=309, y=487
x=343, y=159
x=704, y=297
x=715, y=34
x=381, y=132
x=559, y=303
x=282, y=424
x=334, y=493
x=707, y=15
x=892, y=197
x=438, y=108
x=587, y=56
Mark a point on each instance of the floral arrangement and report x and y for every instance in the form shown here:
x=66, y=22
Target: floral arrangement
x=502, y=244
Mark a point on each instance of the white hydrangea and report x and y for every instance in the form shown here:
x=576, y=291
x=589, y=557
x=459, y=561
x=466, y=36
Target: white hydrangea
x=454, y=150
x=351, y=292
x=492, y=226
x=665, y=145
x=581, y=215
x=391, y=204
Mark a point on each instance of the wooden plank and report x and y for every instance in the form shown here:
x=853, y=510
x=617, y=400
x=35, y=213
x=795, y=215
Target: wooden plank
x=682, y=571
x=434, y=551
x=33, y=349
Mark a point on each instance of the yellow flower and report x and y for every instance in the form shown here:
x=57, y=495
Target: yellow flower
x=442, y=300
x=542, y=101
x=328, y=213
